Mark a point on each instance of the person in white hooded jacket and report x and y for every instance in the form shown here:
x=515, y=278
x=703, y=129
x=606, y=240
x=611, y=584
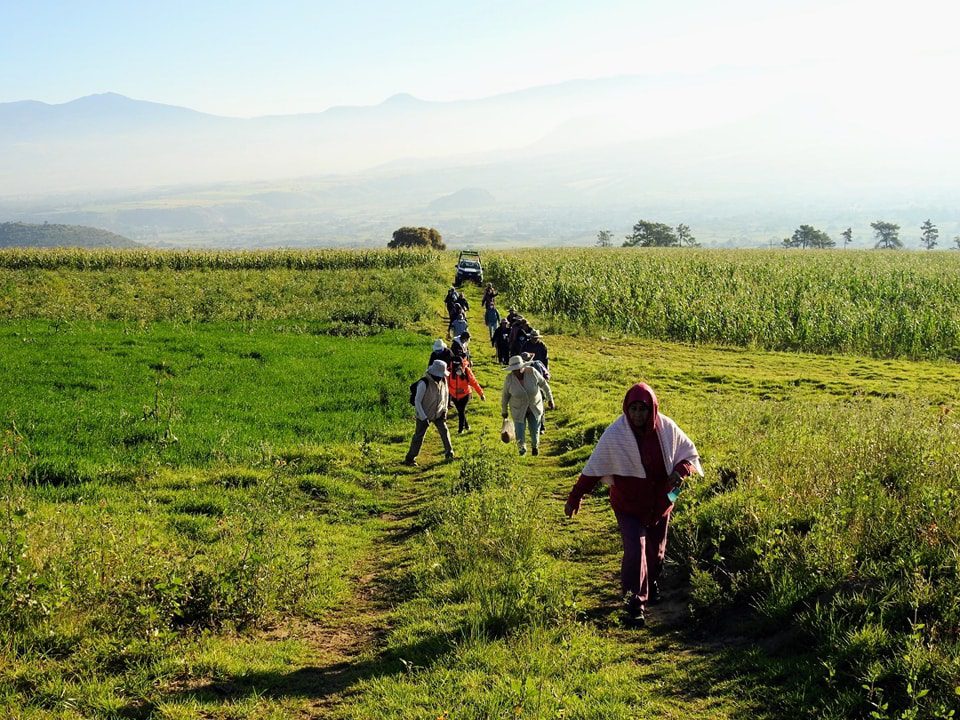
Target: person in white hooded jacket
x=523, y=394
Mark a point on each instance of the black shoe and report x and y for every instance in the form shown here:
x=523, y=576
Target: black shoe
x=655, y=594
x=409, y=462
x=449, y=457
x=535, y=451
x=633, y=613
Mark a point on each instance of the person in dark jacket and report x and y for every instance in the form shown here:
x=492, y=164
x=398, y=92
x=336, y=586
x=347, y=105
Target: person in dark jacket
x=518, y=335
x=535, y=346
x=459, y=346
x=451, y=301
x=441, y=352
x=491, y=316
x=501, y=341
x=489, y=293
x=642, y=456
x=512, y=315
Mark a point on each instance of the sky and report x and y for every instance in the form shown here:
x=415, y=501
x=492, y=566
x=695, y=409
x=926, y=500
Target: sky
x=245, y=58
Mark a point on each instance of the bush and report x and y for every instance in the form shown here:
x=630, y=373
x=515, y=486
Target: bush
x=417, y=237
x=480, y=470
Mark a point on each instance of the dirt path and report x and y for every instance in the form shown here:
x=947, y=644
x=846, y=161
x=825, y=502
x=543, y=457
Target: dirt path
x=346, y=645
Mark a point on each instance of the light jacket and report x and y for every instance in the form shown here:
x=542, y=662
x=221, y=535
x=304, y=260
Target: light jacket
x=524, y=396
x=431, y=399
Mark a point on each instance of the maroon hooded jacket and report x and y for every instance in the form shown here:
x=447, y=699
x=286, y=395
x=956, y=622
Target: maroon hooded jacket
x=645, y=498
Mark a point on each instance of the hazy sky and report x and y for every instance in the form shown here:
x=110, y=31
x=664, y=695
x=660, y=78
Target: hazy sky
x=246, y=58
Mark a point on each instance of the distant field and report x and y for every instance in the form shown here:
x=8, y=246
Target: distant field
x=82, y=259
x=889, y=304
x=352, y=300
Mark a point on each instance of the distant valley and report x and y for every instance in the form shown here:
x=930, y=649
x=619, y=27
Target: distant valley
x=544, y=166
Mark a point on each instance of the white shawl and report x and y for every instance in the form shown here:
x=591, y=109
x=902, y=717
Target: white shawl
x=617, y=452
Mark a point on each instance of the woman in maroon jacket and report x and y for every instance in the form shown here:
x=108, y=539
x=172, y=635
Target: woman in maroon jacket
x=642, y=456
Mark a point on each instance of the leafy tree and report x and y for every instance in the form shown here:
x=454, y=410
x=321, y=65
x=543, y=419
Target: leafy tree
x=808, y=236
x=650, y=234
x=887, y=234
x=417, y=237
x=847, y=236
x=929, y=235
x=604, y=238
x=685, y=237
x=956, y=241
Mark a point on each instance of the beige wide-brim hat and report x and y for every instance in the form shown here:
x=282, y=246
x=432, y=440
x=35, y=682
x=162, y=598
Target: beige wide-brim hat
x=535, y=334
x=516, y=363
x=438, y=368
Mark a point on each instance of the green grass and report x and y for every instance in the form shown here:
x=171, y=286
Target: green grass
x=203, y=515
x=109, y=397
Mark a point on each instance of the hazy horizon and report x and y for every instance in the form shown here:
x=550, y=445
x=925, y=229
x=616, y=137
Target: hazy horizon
x=274, y=120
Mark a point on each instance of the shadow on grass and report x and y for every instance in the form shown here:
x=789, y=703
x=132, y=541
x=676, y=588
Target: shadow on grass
x=771, y=670
x=321, y=683
x=732, y=664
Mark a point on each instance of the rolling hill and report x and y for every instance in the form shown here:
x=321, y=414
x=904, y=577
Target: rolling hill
x=47, y=235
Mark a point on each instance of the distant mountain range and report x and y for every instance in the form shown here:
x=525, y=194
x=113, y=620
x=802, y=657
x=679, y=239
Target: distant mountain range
x=723, y=148
x=51, y=235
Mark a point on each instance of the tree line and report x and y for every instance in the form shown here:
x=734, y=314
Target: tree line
x=886, y=234
x=652, y=234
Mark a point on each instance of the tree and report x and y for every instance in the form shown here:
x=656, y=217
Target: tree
x=929, y=235
x=417, y=237
x=887, y=234
x=604, y=238
x=808, y=236
x=650, y=234
x=847, y=236
x=685, y=237
x=956, y=241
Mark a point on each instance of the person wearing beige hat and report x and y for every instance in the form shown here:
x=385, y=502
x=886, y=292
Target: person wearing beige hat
x=522, y=397
x=430, y=402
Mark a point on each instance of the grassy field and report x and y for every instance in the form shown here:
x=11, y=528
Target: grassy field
x=204, y=515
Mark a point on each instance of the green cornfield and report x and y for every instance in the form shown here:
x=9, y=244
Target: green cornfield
x=146, y=259
x=876, y=303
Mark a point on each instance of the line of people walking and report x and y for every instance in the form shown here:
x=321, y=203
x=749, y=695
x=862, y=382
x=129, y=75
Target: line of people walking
x=643, y=456
x=526, y=390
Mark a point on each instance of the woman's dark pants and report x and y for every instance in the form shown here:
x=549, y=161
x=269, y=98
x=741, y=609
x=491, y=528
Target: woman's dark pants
x=644, y=548
x=461, y=405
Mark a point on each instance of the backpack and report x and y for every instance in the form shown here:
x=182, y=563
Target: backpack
x=413, y=391
x=542, y=369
